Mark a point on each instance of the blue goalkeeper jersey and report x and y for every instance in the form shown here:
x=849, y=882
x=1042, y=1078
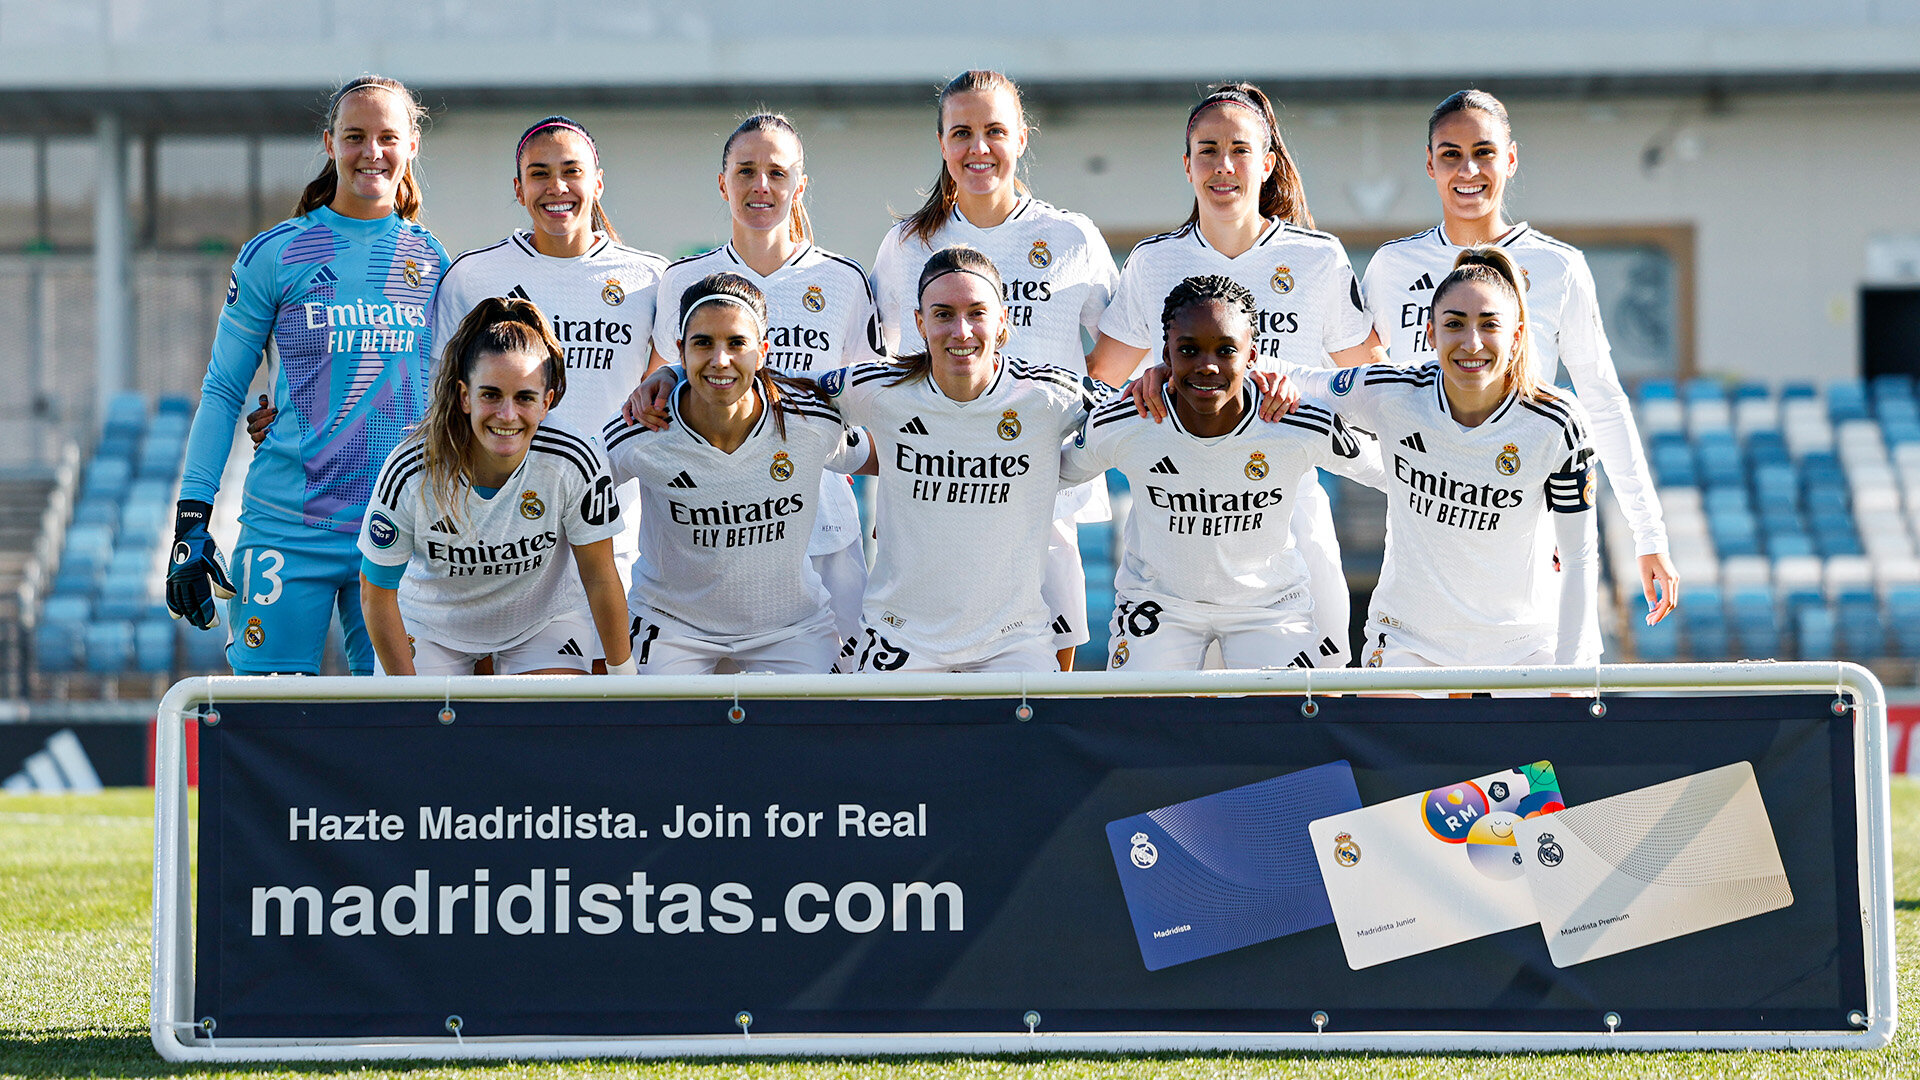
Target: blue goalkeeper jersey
x=339, y=306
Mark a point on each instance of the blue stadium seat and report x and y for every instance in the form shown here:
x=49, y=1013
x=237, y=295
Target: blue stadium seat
x=107, y=477
x=1821, y=468
x=126, y=411
x=1783, y=544
x=1891, y=387
x=1862, y=636
x=1900, y=431
x=174, y=405
x=1719, y=458
x=1756, y=622
x=97, y=509
x=58, y=645
x=109, y=647
x=1799, y=390
x=1903, y=618
x=153, y=645
x=1767, y=448
x=125, y=596
x=1651, y=389
x=1846, y=401
x=1752, y=391
x=1702, y=389
x=1814, y=630
x=1703, y=624
x=1656, y=644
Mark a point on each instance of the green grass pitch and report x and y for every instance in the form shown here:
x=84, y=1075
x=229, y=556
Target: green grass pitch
x=75, y=883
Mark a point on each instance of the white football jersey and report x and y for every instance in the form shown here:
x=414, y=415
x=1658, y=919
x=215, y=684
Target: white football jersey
x=1310, y=303
x=487, y=574
x=723, y=536
x=1564, y=317
x=1210, y=516
x=601, y=306
x=965, y=503
x=1056, y=271
x=821, y=317
x=1467, y=572
x=820, y=308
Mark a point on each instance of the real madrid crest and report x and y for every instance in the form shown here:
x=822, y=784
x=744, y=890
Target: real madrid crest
x=1144, y=854
x=1586, y=493
x=1282, y=280
x=411, y=271
x=782, y=467
x=1009, y=425
x=1256, y=466
x=1509, y=460
x=1550, y=853
x=1345, y=851
x=612, y=293
x=1120, y=655
x=254, y=634
x=1039, y=257
x=1375, y=659
x=814, y=300
x=531, y=507
x=413, y=649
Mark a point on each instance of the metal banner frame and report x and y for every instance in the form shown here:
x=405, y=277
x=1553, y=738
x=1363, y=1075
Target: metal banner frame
x=179, y=1036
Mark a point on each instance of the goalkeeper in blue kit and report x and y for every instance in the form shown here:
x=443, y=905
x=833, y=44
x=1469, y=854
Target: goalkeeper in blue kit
x=338, y=298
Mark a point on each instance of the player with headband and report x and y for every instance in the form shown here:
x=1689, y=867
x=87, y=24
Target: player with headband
x=490, y=518
x=1471, y=157
x=968, y=446
x=820, y=312
x=1250, y=223
x=1060, y=277
x=337, y=298
x=730, y=491
x=1480, y=452
x=1208, y=556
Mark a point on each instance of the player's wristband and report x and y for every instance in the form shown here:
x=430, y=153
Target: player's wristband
x=189, y=514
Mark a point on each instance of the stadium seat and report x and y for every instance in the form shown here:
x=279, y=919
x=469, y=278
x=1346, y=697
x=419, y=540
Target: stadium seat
x=1903, y=619
x=1656, y=644
x=109, y=647
x=1846, y=401
x=1862, y=635
x=1755, y=621
x=153, y=640
x=58, y=645
x=1703, y=624
x=1814, y=630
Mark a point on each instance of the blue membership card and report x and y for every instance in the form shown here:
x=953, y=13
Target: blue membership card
x=1231, y=869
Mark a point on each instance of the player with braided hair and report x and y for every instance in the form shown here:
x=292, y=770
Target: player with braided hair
x=1208, y=554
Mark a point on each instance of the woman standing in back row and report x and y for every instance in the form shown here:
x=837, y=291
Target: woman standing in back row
x=1250, y=224
x=341, y=292
x=1058, y=278
x=1471, y=157
x=820, y=315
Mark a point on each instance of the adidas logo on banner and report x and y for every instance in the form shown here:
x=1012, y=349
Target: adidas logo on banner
x=518, y=293
x=444, y=525
x=1414, y=442
x=1425, y=282
x=1062, y=626
x=1301, y=660
x=913, y=427
x=1327, y=647
x=682, y=481
x=62, y=766
x=571, y=648
x=1165, y=467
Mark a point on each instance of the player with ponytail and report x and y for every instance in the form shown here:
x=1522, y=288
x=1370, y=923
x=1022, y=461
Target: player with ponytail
x=1059, y=278
x=1472, y=157
x=339, y=295
x=478, y=520
x=1250, y=223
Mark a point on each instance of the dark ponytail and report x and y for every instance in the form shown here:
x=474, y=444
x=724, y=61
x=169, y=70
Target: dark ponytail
x=1282, y=195
x=321, y=189
x=924, y=222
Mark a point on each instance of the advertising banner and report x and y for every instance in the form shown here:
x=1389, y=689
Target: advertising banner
x=619, y=868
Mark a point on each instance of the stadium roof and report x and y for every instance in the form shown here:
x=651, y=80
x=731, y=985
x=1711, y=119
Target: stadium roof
x=258, y=64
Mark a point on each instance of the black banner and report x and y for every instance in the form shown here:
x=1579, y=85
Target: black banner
x=647, y=867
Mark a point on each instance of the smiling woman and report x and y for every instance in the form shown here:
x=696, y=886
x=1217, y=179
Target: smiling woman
x=476, y=518
x=1059, y=277
x=598, y=292
x=341, y=291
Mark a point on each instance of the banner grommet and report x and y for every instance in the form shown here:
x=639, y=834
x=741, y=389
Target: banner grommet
x=1031, y=1018
x=1319, y=1021
x=743, y=1020
x=1612, y=1020
x=454, y=1024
